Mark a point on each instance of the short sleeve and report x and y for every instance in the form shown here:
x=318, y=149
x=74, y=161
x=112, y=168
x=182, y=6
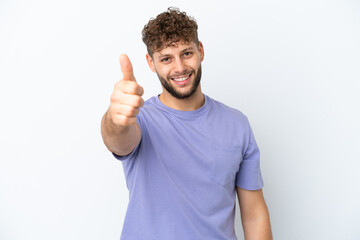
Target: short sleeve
x=249, y=176
x=130, y=155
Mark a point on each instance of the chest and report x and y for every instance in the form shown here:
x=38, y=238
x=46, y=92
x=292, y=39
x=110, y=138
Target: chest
x=204, y=151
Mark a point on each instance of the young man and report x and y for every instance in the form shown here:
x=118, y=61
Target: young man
x=185, y=155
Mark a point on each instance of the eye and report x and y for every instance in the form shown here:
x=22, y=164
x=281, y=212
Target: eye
x=165, y=59
x=187, y=53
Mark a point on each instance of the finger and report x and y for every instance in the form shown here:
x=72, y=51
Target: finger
x=124, y=120
x=132, y=100
x=126, y=110
x=126, y=68
x=129, y=87
x=128, y=99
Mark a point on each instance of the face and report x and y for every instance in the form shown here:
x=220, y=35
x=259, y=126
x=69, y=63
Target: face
x=178, y=68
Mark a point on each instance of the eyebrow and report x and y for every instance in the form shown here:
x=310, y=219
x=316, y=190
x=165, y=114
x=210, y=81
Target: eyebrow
x=188, y=49
x=168, y=55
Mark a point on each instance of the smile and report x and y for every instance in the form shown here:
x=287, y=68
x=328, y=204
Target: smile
x=181, y=79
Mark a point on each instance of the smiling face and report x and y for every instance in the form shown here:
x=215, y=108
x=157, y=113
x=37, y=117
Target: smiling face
x=178, y=68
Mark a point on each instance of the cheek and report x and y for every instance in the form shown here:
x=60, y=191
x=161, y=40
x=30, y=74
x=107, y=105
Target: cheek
x=164, y=72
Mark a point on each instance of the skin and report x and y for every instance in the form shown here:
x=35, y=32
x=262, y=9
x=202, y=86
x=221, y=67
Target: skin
x=119, y=129
x=121, y=133
x=254, y=215
x=176, y=61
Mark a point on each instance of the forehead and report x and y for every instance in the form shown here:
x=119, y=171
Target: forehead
x=174, y=48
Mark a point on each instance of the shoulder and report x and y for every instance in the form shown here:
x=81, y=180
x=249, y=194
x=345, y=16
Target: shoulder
x=227, y=113
x=151, y=113
x=149, y=107
x=149, y=103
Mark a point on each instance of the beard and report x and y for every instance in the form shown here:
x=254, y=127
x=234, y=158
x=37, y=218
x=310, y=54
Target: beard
x=177, y=94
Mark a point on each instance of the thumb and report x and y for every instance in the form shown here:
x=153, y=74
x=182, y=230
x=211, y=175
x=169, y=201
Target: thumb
x=126, y=68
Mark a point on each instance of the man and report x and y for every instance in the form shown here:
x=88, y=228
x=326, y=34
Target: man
x=185, y=155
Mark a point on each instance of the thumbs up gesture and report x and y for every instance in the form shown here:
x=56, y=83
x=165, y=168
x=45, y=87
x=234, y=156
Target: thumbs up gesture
x=126, y=98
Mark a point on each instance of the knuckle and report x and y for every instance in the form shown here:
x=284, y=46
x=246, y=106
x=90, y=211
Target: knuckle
x=117, y=96
x=138, y=101
x=134, y=111
x=113, y=98
x=115, y=118
x=141, y=102
x=112, y=111
x=123, y=120
x=141, y=89
x=131, y=111
x=127, y=120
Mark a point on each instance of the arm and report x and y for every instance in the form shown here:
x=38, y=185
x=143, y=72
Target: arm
x=119, y=130
x=120, y=140
x=254, y=215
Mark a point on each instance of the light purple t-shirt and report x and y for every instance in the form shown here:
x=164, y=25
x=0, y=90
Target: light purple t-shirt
x=182, y=175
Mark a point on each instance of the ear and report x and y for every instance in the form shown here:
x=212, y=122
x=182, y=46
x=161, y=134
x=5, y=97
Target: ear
x=201, y=50
x=150, y=62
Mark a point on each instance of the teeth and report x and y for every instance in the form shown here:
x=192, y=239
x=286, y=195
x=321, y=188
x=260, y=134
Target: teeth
x=180, y=79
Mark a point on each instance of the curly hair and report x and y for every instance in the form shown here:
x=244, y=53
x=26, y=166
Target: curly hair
x=168, y=28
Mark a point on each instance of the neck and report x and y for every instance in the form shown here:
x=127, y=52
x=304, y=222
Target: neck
x=188, y=104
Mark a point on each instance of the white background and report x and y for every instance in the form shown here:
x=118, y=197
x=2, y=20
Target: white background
x=291, y=66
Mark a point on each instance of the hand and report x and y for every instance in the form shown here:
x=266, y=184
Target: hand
x=126, y=98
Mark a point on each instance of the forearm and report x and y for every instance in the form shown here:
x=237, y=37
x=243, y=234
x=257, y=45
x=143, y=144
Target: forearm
x=257, y=227
x=120, y=140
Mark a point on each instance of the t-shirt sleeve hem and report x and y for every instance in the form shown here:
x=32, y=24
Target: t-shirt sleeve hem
x=129, y=156
x=253, y=187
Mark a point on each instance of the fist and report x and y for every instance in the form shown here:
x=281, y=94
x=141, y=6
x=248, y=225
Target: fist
x=126, y=98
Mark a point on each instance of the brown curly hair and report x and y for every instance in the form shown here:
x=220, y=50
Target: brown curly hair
x=168, y=28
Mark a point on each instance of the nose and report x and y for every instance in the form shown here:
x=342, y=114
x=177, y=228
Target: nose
x=179, y=66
